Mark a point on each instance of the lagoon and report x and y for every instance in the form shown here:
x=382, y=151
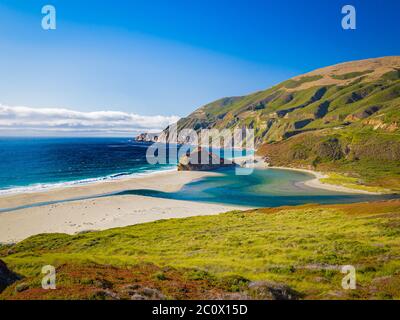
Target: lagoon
x=263, y=188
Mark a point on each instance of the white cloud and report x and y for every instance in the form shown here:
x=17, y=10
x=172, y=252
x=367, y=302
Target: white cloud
x=64, y=121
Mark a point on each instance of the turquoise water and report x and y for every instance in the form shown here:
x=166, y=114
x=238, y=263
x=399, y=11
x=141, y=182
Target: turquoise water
x=40, y=163
x=33, y=164
x=263, y=188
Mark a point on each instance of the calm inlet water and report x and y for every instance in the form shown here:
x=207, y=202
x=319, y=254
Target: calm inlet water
x=38, y=164
x=263, y=188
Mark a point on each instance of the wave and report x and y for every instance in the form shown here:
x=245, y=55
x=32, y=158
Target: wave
x=41, y=187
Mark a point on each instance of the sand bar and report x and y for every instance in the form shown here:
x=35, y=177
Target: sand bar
x=317, y=184
x=101, y=213
x=114, y=211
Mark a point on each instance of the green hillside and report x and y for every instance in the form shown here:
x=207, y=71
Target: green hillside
x=343, y=118
x=279, y=253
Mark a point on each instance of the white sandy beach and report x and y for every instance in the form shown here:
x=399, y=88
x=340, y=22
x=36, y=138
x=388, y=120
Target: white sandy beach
x=100, y=213
x=114, y=211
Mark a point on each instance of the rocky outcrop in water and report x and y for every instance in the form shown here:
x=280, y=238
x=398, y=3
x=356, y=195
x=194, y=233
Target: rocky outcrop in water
x=147, y=137
x=203, y=160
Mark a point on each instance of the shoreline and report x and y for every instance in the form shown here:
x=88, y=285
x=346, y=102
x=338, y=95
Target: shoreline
x=259, y=163
x=102, y=213
x=76, y=215
x=104, y=187
x=34, y=188
x=317, y=184
x=47, y=187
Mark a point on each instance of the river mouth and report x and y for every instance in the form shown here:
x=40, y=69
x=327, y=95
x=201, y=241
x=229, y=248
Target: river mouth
x=263, y=188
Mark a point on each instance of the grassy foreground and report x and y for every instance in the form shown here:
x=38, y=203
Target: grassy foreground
x=294, y=252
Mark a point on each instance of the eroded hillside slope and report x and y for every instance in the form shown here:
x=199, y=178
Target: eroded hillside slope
x=343, y=118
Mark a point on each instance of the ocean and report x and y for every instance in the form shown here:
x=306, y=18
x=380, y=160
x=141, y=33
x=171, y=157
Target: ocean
x=33, y=164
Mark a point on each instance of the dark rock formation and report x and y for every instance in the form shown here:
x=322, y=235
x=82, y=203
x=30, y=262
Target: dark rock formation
x=147, y=137
x=268, y=290
x=137, y=292
x=203, y=160
x=7, y=277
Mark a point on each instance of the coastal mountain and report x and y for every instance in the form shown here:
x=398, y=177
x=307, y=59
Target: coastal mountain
x=344, y=117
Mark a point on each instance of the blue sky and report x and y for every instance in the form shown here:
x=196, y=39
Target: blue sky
x=169, y=57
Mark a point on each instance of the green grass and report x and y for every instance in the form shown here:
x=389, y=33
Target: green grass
x=302, y=247
x=364, y=158
x=375, y=176
x=351, y=182
x=392, y=75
